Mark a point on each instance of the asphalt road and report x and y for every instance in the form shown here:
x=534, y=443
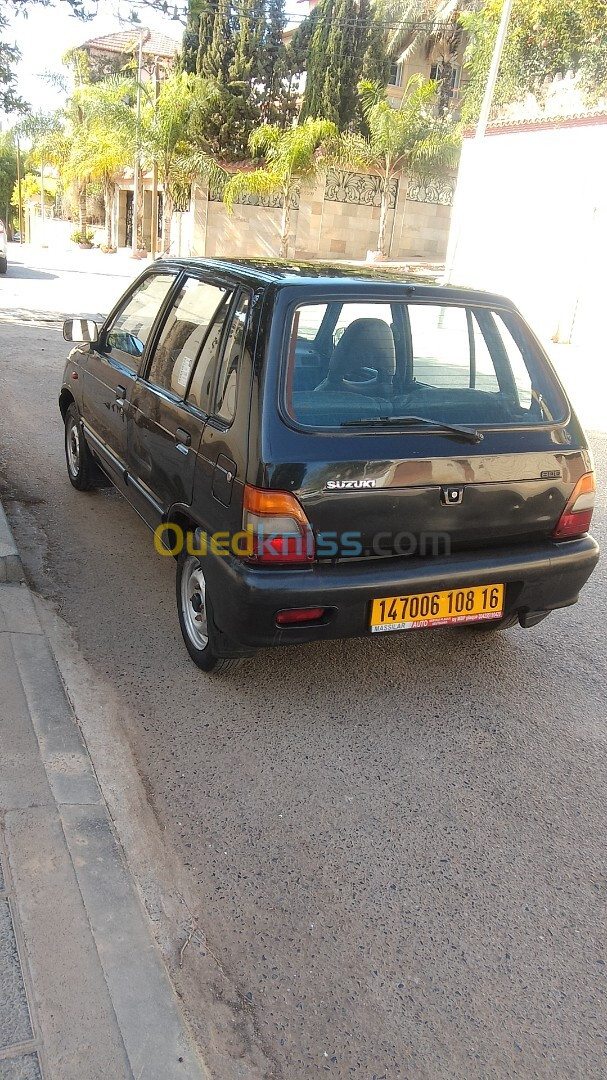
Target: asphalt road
x=397, y=845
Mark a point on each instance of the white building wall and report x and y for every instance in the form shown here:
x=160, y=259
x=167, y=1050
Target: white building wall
x=530, y=220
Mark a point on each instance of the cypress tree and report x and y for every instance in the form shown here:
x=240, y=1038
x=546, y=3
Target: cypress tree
x=206, y=20
x=214, y=61
x=278, y=104
x=245, y=73
x=189, y=48
x=335, y=58
x=240, y=50
x=376, y=61
x=299, y=46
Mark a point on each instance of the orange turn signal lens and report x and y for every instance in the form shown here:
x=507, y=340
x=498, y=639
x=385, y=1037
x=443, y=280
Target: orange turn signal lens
x=280, y=531
x=274, y=503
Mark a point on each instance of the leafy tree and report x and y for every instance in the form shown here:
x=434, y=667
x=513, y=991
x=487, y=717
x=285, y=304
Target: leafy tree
x=545, y=37
x=294, y=158
x=49, y=142
x=80, y=8
x=9, y=55
x=412, y=140
x=334, y=62
x=8, y=172
x=30, y=191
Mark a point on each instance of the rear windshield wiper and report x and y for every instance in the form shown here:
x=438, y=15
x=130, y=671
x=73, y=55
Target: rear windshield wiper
x=471, y=434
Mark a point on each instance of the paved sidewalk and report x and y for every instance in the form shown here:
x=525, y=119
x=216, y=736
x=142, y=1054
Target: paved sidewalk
x=84, y=994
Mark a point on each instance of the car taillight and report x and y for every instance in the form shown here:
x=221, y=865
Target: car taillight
x=279, y=529
x=576, y=517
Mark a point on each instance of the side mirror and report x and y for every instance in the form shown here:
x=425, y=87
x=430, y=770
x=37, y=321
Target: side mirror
x=124, y=342
x=80, y=330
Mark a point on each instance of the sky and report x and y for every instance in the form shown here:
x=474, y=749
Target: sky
x=48, y=32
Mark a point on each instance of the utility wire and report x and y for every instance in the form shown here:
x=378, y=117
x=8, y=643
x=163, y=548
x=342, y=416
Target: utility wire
x=429, y=26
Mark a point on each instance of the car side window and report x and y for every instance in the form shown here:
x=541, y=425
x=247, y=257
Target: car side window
x=225, y=397
x=130, y=329
x=183, y=335
x=199, y=393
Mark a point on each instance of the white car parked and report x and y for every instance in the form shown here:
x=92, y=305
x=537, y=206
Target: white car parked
x=3, y=262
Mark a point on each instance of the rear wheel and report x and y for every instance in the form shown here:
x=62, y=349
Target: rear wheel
x=81, y=467
x=3, y=266
x=196, y=617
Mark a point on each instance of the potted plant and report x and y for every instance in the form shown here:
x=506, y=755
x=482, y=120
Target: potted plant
x=83, y=239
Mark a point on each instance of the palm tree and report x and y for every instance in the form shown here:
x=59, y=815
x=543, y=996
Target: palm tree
x=165, y=138
x=104, y=140
x=424, y=24
x=50, y=144
x=96, y=158
x=294, y=158
x=411, y=140
x=163, y=135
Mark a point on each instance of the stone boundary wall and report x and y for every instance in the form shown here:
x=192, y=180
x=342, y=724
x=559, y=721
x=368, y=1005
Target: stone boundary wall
x=338, y=219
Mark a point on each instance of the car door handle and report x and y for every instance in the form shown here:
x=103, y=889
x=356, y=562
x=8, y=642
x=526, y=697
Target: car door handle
x=183, y=439
x=120, y=396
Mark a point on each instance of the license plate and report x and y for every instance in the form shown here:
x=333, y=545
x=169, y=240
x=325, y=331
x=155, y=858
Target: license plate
x=478, y=604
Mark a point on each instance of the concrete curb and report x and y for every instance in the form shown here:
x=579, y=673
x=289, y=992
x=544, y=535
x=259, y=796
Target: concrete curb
x=10, y=563
x=100, y=1000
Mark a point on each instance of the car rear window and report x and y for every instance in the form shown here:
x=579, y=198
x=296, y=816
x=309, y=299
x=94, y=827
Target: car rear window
x=348, y=362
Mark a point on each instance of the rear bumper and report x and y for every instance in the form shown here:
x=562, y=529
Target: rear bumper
x=538, y=578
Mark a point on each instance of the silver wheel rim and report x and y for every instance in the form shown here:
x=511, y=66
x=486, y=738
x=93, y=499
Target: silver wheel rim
x=194, y=603
x=73, y=448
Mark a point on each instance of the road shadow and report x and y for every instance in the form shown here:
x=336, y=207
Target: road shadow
x=41, y=318
x=16, y=271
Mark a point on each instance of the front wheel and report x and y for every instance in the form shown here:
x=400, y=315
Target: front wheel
x=78, y=458
x=196, y=619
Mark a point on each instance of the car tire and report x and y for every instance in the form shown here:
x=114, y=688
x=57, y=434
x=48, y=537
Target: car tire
x=81, y=468
x=196, y=617
x=3, y=266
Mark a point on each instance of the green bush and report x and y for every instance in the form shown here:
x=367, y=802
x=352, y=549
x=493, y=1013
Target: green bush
x=86, y=237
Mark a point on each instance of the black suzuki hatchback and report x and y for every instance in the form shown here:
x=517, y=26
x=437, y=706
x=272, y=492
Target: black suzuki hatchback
x=332, y=453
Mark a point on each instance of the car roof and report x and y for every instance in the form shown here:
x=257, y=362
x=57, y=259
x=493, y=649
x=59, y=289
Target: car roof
x=320, y=275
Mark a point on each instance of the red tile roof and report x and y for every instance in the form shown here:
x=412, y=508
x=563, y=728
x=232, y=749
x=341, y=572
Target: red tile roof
x=542, y=123
x=127, y=41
